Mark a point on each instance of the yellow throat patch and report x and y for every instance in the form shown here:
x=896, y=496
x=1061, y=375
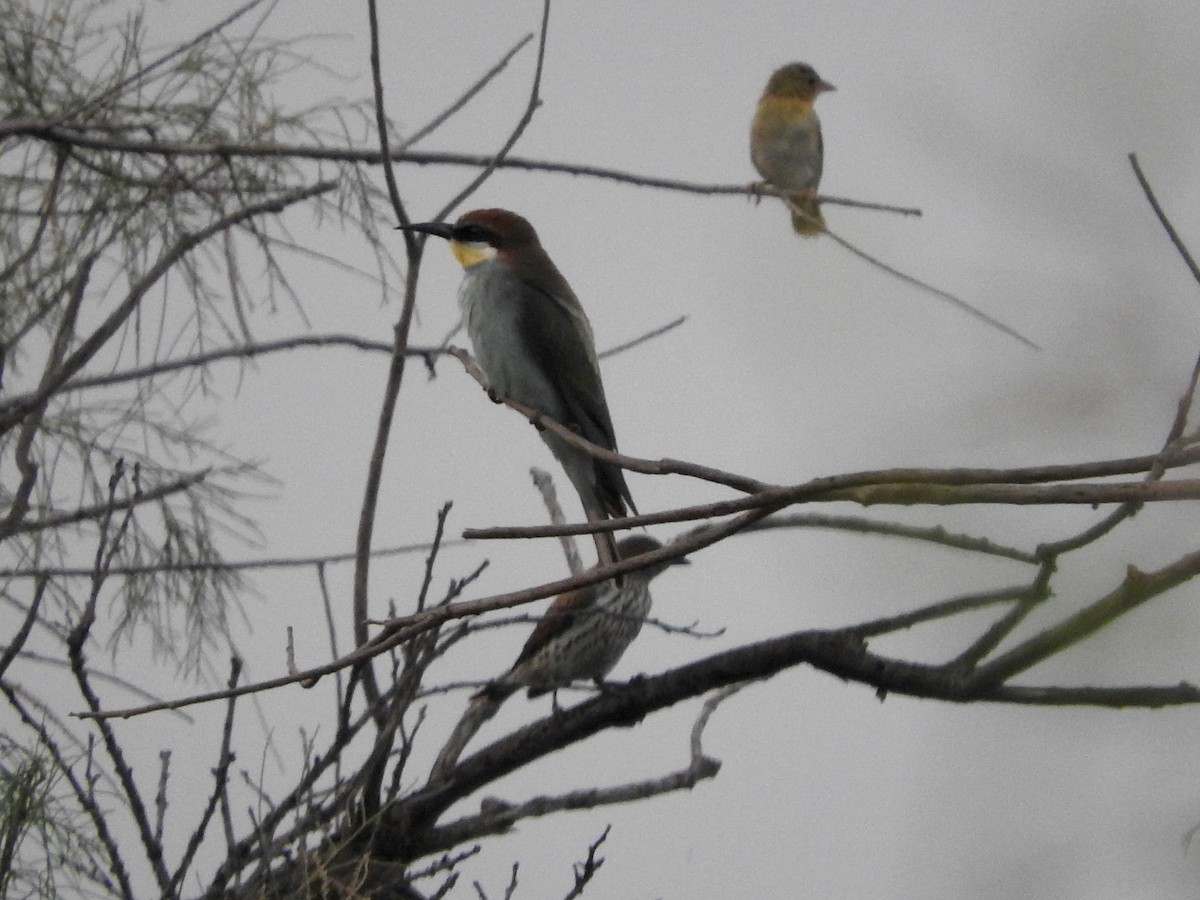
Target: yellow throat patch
x=471, y=254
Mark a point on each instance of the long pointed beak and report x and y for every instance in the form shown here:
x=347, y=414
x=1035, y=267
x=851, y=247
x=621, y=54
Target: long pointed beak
x=440, y=229
x=825, y=86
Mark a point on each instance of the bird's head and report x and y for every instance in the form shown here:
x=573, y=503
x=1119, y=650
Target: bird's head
x=797, y=80
x=482, y=234
x=639, y=544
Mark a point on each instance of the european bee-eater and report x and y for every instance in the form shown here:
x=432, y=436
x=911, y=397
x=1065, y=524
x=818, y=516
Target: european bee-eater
x=785, y=141
x=534, y=344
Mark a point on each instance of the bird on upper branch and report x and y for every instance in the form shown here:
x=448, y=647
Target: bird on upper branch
x=785, y=141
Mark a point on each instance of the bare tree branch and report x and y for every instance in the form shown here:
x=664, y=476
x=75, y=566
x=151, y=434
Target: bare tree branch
x=1162, y=218
x=225, y=757
x=97, y=510
x=498, y=816
x=245, y=565
x=18, y=640
x=48, y=131
x=264, y=348
x=1137, y=588
x=167, y=260
x=408, y=824
x=544, y=482
x=467, y=95
x=930, y=289
x=107, y=545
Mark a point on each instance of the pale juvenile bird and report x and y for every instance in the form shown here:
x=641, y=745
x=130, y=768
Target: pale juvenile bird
x=585, y=632
x=785, y=141
x=583, y=635
x=534, y=344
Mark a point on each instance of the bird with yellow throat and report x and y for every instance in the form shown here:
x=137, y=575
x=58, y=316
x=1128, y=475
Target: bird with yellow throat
x=534, y=344
x=785, y=141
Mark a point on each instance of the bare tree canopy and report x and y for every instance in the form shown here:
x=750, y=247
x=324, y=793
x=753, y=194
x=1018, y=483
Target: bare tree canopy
x=268, y=552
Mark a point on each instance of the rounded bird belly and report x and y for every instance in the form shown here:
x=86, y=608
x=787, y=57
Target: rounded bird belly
x=785, y=164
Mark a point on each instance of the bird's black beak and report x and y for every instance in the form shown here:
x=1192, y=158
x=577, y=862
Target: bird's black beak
x=440, y=229
x=682, y=561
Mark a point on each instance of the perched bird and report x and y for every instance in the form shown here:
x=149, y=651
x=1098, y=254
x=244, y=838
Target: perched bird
x=586, y=631
x=785, y=141
x=534, y=344
x=583, y=635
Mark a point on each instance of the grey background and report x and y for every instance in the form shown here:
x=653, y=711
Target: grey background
x=1008, y=124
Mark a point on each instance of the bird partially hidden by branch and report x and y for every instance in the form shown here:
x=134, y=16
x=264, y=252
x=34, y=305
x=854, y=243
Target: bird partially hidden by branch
x=583, y=635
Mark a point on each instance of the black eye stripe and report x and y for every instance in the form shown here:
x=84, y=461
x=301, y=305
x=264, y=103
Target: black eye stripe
x=472, y=233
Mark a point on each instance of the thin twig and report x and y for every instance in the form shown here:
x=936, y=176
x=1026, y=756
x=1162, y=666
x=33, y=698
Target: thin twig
x=435, y=546
x=467, y=95
x=1162, y=218
x=929, y=288
x=641, y=339
x=32, y=415
x=331, y=628
x=108, y=544
x=936, y=534
x=96, y=510
x=18, y=640
x=584, y=871
x=942, y=610
x=220, y=774
x=242, y=351
x=160, y=799
x=45, y=214
x=519, y=129
x=288, y=562
x=544, y=482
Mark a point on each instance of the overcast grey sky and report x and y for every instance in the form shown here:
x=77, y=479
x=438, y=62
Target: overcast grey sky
x=1008, y=125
